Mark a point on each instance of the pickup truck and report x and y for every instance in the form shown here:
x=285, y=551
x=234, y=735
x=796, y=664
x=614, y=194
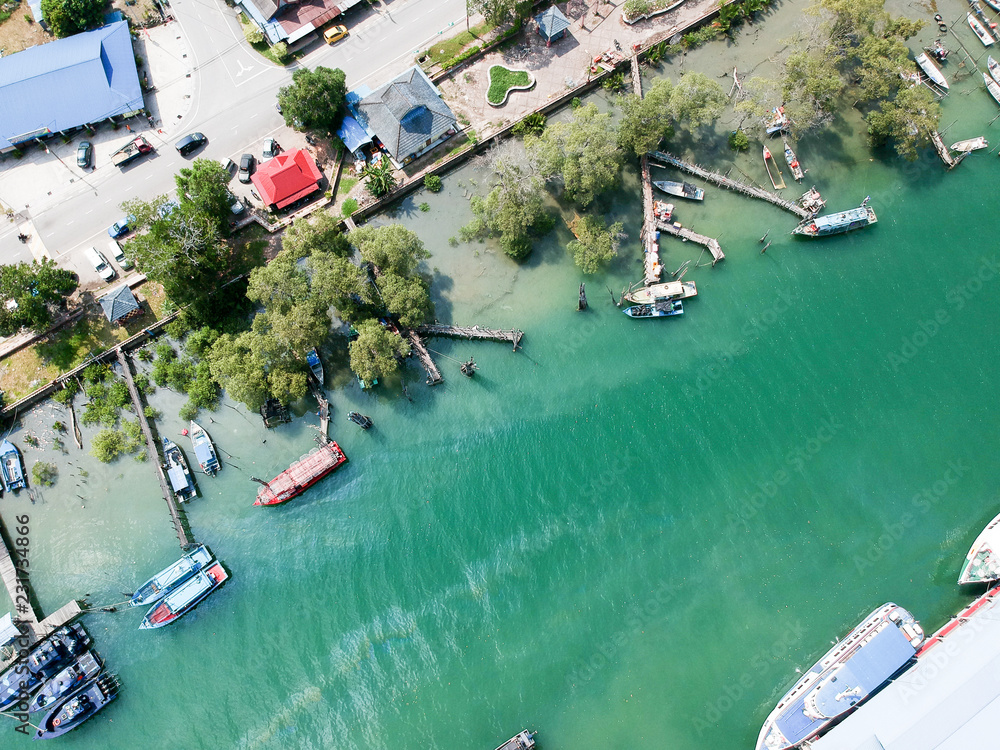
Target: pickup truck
x=131, y=150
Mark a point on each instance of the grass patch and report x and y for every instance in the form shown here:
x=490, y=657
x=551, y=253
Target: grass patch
x=443, y=51
x=346, y=183
x=503, y=80
x=262, y=48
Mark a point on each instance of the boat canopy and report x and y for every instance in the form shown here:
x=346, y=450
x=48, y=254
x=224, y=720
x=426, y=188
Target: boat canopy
x=840, y=219
x=203, y=452
x=178, y=480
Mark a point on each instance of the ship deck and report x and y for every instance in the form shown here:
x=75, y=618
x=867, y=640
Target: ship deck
x=302, y=474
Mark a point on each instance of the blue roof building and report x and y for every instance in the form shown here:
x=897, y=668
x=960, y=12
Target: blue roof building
x=552, y=24
x=68, y=83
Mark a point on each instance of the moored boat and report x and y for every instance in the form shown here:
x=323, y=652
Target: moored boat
x=183, y=599
x=77, y=707
x=301, y=475
x=25, y=676
x=881, y=646
x=984, y=36
x=931, y=70
x=86, y=667
x=845, y=221
x=982, y=564
x=669, y=290
x=994, y=68
x=778, y=184
x=177, y=471
x=663, y=211
x=171, y=576
x=315, y=364
x=793, y=162
x=993, y=87
x=680, y=189
x=971, y=144
x=204, y=449
x=360, y=419
x=776, y=121
x=657, y=309
x=11, y=467
x=523, y=740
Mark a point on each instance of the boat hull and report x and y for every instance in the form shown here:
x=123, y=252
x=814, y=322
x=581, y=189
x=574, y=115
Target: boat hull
x=178, y=473
x=984, y=36
x=931, y=70
x=84, y=669
x=680, y=189
x=44, y=661
x=301, y=475
x=204, y=449
x=11, y=466
x=185, y=597
x=171, y=577
x=76, y=708
x=664, y=309
x=993, y=87
x=982, y=564
x=670, y=290
x=845, y=221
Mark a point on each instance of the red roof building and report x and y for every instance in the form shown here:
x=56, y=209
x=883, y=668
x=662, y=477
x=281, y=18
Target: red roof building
x=287, y=177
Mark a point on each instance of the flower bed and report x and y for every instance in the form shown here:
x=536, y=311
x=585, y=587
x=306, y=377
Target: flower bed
x=503, y=81
x=637, y=10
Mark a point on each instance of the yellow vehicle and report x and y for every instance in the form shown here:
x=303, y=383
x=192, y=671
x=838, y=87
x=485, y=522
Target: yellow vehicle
x=334, y=34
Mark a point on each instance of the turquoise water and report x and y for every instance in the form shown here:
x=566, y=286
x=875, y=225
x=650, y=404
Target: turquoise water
x=629, y=534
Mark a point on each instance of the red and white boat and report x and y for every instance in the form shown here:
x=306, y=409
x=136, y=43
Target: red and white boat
x=984, y=36
x=183, y=599
x=301, y=475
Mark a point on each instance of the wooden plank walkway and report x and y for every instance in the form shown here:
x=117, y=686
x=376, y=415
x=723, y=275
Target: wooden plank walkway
x=60, y=617
x=651, y=250
x=636, y=76
x=324, y=407
x=472, y=332
x=686, y=234
x=722, y=181
x=152, y=450
x=433, y=373
x=943, y=151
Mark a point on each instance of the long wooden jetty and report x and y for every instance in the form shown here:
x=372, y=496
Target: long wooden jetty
x=651, y=265
x=152, y=450
x=472, y=332
x=636, y=76
x=942, y=151
x=686, y=234
x=324, y=408
x=730, y=184
x=433, y=373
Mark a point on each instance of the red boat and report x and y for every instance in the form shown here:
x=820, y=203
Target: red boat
x=182, y=600
x=301, y=475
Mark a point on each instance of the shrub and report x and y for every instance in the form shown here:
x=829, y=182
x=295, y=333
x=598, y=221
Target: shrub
x=533, y=124
x=635, y=8
x=433, y=183
x=188, y=412
x=280, y=51
x=150, y=413
x=614, y=82
x=425, y=207
x=738, y=141
x=144, y=355
x=349, y=207
x=503, y=80
x=253, y=33
x=59, y=427
x=44, y=473
x=575, y=103
x=70, y=388
x=107, y=445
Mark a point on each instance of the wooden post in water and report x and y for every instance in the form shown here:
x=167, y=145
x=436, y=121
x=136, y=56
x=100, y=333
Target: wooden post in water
x=582, y=304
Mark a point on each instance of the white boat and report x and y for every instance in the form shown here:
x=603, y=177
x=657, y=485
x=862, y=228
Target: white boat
x=993, y=87
x=931, y=69
x=984, y=36
x=982, y=564
x=171, y=576
x=994, y=4
x=970, y=144
x=793, y=162
x=680, y=189
x=670, y=290
x=204, y=449
x=994, y=67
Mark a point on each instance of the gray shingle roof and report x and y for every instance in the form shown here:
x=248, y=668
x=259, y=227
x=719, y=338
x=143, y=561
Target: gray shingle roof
x=551, y=21
x=406, y=113
x=118, y=303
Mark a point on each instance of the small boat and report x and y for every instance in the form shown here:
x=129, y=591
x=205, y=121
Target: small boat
x=77, y=707
x=994, y=4
x=183, y=599
x=171, y=577
x=86, y=667
x=43, y=661
x=982, y=564
x=11, y=467
x=360, y=419
x=994, y=68
x=971, y=144
x=656, y=309
x=793, y=162
x=845, y=221
x=670, y=290
x=984, y=36
x=780, y=184
x=523, y=740
x=857, y=666
x=315, y=364
x=204, y=450
x=931, y=70
x=177, y=471
x=776, y=121
x=680, y=189
x=993, y=87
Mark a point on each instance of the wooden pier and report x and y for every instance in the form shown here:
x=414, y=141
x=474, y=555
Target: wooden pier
x=636, y=76
x=153, y=451
x=650, y=249
x=942, y=151
x=730, y=184
x=472, y=332
x=433, y=373
x=686, y=234
x=324, y=408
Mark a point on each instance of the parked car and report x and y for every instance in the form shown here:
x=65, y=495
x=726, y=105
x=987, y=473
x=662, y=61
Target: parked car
x=235, y=204
x=83, y=154
x=121, y=227
x=334, y=34
x=247, y=163
x=229, y=166
x=100, y=263
x=270, y=148
x=119, y=255
x=189, y=143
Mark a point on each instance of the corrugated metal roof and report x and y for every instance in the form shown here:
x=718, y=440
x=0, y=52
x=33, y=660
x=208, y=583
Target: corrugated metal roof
x=70, y=82
x=287, y=177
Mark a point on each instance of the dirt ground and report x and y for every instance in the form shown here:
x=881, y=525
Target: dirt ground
x=17, y=34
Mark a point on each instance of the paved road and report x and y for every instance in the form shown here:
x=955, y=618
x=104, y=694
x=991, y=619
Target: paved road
x=232, y=102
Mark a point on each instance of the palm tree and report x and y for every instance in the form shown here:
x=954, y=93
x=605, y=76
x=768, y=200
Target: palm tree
x=381, y=180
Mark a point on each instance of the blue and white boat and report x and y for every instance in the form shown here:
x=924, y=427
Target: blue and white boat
x=46, y=659
x=982, y=564
x=855, y=668
x=178, y=473
x=845, y=221
x=204, y=450
x=660, y=308
x=171, y=577
x=10, y=466
x=86, y=667
x=315, y=364
x=75, y=708
x=182, y=599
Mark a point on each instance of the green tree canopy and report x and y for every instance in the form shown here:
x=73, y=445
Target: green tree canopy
x=68, y=17
x=31, y=293
x=376, y=352
x=315, y=99
x=595, y=243
x=907, y=121
x=393, y=248
x=204, y=187
x=321, y=235
x=646, y=120
x=499, y=12
x=407, y=298
x=341, y=284
x=581, y=151
x=240, y=365
x=697, y=100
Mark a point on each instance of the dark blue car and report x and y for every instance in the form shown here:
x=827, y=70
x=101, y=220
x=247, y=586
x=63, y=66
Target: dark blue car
x=120, y=227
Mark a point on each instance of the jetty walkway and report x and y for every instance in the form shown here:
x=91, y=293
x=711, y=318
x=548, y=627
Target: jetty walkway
x=472, y=332
x=433, y=373
x=154, y=454
x=686, y=234
x=730, y=184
